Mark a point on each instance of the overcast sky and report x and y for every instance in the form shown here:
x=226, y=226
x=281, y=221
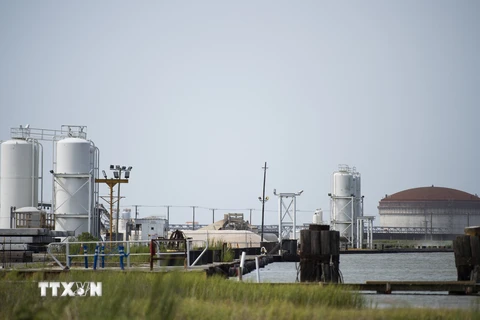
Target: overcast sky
x=197, y=95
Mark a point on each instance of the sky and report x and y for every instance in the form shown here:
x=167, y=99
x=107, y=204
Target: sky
x=197, y=95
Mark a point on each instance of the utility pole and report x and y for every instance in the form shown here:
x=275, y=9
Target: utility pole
x=263, y=199
x=193, y=215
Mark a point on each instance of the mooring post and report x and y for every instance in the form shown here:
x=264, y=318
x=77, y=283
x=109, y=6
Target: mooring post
x=316, y=268
x=319, y=254
x=467, y=254
x=306, y=263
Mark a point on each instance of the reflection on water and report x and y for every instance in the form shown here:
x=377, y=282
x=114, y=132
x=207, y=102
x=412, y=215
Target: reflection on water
x=359, y=268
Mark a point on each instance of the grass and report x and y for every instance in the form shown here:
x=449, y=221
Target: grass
x=190, y=295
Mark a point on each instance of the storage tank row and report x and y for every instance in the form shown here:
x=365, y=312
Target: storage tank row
x=75, y=167
x=346, y=202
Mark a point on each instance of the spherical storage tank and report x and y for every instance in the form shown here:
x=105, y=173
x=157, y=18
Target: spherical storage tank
x=19, y=177
x=74, y=157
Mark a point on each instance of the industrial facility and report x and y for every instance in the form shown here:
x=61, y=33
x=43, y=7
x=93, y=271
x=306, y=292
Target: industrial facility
x=347, y=207
x=28, y=221
x=435, y=213
x=431, y=211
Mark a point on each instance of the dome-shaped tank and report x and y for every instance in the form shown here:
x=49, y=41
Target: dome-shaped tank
x=74, y=157
x=19, y=177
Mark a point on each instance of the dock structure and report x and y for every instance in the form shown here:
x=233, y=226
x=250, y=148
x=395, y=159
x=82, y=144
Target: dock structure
x=388, y=287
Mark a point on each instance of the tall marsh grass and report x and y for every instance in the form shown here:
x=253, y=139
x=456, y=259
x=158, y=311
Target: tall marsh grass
x=190, y=295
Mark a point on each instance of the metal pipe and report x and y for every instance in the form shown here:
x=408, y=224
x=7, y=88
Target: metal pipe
x=41, y=173
x=33, y=173
x=263, y=199
x=118, y=204
x=242, y=263
x=294, y=217
x=111, y=209
x=257, y=266
x=280, y=220
x=89, y=213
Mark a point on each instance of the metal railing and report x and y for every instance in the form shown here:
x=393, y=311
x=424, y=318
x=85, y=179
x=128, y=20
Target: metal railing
x=183, y=251
x=108, y=249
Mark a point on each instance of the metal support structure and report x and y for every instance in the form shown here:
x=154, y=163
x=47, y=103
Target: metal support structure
x=287, y=221
x=337, y=211
x=361, y=231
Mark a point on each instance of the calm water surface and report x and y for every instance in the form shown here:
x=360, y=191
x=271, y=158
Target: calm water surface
x=359, y=268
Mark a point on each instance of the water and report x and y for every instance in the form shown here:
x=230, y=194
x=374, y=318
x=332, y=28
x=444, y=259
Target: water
x=359, y=268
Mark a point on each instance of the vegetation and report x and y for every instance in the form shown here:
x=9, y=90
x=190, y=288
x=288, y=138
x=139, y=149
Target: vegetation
x=189, y=295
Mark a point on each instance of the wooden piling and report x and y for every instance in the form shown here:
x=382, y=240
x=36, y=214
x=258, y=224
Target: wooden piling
x=467, y=254
x=319, y=254
x=305, y=255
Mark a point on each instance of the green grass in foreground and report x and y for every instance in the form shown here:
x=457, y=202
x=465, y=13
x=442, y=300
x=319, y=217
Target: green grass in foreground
x=178, y=295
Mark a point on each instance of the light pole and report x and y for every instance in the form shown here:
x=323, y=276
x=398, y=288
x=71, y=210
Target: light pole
x=111, y=183
x=117, y=174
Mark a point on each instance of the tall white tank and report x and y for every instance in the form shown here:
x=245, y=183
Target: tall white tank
x=19, y=177
x=74, y=156
x=343, y=188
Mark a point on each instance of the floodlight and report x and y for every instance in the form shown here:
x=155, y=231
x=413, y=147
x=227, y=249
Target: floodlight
x=115, y=174
x=112, y=167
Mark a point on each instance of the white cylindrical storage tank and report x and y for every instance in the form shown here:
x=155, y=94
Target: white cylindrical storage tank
x=126, y=214
x=342, y=206
x=318, y=216
x=19, y=177
x=342, y=184
x=73, y=193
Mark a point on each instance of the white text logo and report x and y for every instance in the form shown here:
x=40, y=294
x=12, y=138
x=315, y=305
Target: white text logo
x=71, y=289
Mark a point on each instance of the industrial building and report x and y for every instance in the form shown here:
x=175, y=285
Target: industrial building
x=429, y=210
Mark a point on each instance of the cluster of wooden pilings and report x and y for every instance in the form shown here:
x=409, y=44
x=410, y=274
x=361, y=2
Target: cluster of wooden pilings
x=319, y=254
x=467, y=255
